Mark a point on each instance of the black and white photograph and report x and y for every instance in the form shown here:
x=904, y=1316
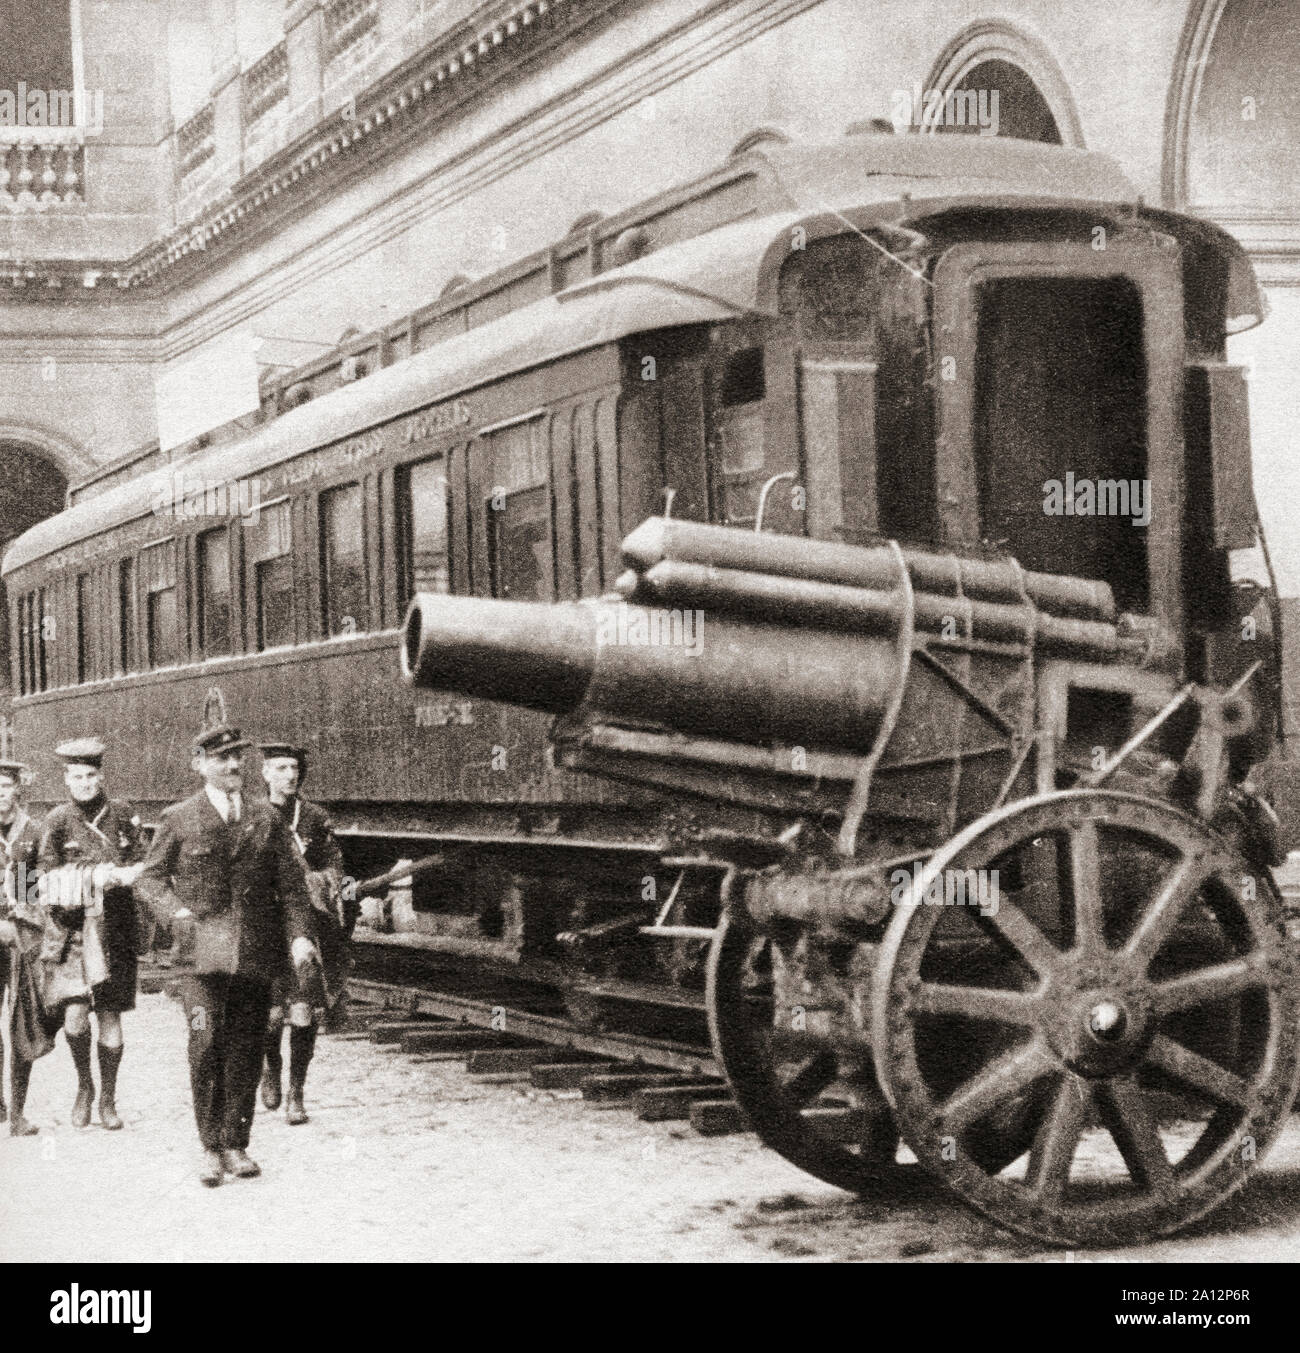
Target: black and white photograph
x=648, y=631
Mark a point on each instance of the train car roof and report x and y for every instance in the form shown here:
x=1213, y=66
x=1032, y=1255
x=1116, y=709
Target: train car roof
x=726, y=273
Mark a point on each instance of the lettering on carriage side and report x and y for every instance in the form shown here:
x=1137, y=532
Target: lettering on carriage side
x=346, y=454
x=430, y=422
x=440, y=713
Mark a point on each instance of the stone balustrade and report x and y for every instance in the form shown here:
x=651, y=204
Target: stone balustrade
x=42, y=169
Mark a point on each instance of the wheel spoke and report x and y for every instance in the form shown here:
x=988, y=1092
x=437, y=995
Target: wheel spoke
x=1136, y=1133
x=1085, y=887
x=1024, y=936
x=1215, y=983
x=1057, y=1140
x=992, y=1087
x=1201, y=1073
x=1157, y=923
x=988, y=1003
x=812, y=1077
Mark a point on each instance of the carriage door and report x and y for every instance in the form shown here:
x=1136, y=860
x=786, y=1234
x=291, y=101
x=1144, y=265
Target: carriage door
x=1058, y=377
x=753, y=445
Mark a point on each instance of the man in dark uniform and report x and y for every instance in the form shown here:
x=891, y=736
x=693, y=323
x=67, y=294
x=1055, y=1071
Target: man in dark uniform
x=283, y=769
x=21, y=928
x=89, y=857
x=228, y=868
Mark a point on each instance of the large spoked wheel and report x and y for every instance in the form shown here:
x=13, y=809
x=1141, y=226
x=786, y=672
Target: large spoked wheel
x=819, y=1108
x=1124, y=1002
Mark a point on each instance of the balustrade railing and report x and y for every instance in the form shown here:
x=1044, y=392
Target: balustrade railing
x=41, y=169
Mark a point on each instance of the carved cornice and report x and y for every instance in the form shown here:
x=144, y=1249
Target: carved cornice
x=402, y=105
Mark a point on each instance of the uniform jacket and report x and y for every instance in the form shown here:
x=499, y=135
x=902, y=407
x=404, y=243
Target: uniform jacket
x=113, y=835
x=335, y=911
x=244, y=884
x=20, y=844
x=315, y=837
x=75, y=962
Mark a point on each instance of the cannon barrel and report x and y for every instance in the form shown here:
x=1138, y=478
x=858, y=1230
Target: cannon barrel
x=761, y=638
x=826, y=561
x=799, y=601
x=520, y=652
x=684, y=670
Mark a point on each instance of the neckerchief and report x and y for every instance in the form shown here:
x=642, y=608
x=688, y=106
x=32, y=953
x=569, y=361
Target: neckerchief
x=298, y=811
x=7, y=838
x=93, y=822
x=12, y=832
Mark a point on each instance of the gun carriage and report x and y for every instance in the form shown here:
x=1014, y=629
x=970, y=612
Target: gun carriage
x=974, y=777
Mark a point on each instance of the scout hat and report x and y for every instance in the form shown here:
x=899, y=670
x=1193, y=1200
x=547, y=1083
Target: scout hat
x=270, y=750
x=216, y=741
x=81, y=752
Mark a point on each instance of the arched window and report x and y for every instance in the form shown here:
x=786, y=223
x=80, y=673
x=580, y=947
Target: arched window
x=1241, y=111
x=997, y=79
x=1005, y=102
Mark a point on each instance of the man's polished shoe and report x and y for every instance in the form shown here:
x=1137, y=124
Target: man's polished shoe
x=20, y=1127
x=211, y=1170
x=294, y=1113
x=81, y=1108
x=240, y=1164
x=270, y=1090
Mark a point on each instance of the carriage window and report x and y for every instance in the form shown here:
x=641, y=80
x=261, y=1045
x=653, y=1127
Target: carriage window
x=22, y=645
x=343, y=561
x=270, y=543
x=31, y=642
x=738, y=436
x=422, y=503
x=126, y=615
x=162, y=630
x=519, y=514
x=215, y=630
x=43, y=632
x=83, y=627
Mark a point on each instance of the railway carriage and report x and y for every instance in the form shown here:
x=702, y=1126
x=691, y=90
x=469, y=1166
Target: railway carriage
x=881, y=537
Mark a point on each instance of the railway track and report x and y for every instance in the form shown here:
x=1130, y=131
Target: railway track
x=655, y=1079
x=493, y=1026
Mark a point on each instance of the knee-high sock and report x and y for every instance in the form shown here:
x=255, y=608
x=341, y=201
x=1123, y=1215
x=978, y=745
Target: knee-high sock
x=274, y=1057
x=80, y=1046
x=109, y=1061
x=302, y=1043
x=20, y=1074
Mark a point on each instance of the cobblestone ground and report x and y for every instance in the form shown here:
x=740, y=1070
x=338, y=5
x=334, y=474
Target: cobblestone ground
x=412, y=1160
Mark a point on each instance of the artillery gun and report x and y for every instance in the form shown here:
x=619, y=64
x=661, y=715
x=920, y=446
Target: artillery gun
x=968, y=754
x=959, y=928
